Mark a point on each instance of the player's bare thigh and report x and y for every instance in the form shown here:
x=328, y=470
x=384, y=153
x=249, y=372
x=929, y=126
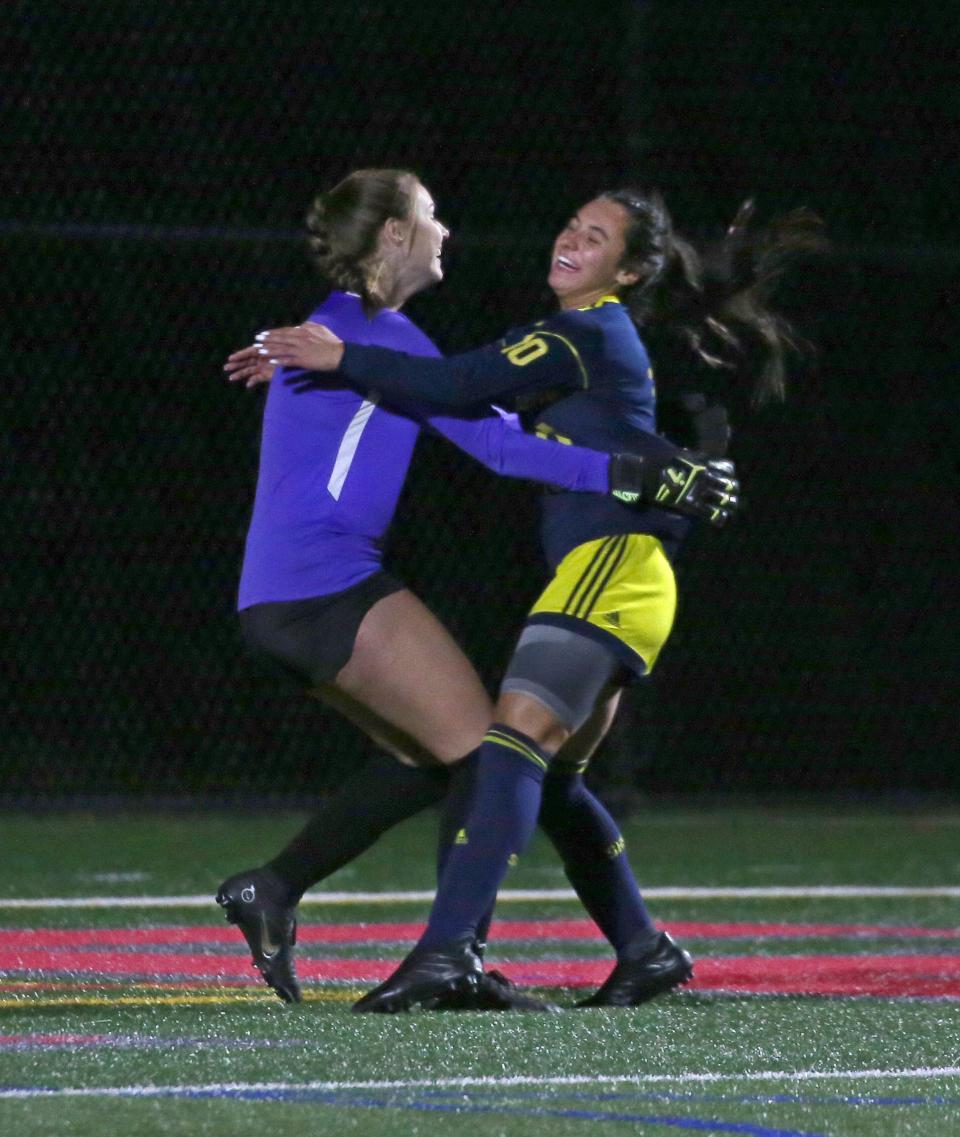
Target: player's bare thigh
x=382, y=733
x=408, y=670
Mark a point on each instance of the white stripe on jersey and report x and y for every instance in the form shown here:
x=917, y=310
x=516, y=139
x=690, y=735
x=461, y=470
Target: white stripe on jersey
x=349, y=444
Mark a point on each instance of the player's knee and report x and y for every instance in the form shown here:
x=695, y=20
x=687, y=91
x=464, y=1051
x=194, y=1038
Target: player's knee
x=554, y=680
x=451, y=746
x=534, y=718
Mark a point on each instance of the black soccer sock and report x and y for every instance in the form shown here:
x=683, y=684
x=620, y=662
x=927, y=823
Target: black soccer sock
x=373, y=799
x=592, y=850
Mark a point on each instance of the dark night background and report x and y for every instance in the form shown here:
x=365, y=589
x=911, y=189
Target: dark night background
x=159, y=160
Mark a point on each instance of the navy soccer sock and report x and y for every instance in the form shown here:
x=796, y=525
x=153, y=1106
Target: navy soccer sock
x=592, y=850
x=456, y=806
x=453, y=818
x=504, y=803
x=371, y=800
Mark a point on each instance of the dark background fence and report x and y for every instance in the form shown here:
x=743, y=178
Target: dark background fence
x=159, y=159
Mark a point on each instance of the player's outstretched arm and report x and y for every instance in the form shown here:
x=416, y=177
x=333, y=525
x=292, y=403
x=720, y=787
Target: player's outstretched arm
x=657, y=474
x=468, y=380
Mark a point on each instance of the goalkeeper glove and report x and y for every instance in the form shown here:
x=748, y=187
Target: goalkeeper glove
x=687, y=482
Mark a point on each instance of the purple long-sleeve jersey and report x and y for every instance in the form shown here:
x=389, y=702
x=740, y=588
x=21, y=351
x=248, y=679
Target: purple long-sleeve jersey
x=333, y=463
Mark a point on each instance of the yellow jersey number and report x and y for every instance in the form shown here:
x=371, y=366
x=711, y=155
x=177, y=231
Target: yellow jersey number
x=525, y=351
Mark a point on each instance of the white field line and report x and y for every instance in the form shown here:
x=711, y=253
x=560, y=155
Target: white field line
x=493, y=1082
x=841, y=891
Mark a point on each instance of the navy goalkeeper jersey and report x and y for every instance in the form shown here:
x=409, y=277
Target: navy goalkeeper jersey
x=582, y=377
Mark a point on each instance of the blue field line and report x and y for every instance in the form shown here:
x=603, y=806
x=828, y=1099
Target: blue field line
x=433, y=1101
x=701, y=1125
x=346, y=1101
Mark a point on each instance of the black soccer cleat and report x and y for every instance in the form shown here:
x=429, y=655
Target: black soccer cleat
x=450, y=978
x=255, y=901
x=427, y=978
x=634, y=981
x=495, y=992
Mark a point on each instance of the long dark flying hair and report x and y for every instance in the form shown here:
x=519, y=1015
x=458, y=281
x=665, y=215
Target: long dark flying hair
x=343, y=225
x=718, y=302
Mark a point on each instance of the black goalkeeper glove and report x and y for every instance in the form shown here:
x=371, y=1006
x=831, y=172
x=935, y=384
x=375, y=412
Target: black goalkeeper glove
x=688, y=482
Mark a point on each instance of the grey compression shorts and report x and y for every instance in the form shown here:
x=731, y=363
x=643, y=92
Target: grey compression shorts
x=561, y=669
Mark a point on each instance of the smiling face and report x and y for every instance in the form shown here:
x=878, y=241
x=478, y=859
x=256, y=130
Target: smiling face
x=426, y=237
x=585, y=264
x=411, y=248
x=408, y=251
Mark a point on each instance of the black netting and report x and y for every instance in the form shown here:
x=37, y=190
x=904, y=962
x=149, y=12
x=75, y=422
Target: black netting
x=159, y=159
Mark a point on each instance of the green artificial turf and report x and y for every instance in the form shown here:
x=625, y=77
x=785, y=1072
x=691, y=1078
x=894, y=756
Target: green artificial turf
x=766, y=1066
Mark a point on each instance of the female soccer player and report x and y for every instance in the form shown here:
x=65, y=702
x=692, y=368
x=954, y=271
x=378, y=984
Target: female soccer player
x=606, y=614
x=313, y=594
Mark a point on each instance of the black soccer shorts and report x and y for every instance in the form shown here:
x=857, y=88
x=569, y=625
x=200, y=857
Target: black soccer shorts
x=311, y=640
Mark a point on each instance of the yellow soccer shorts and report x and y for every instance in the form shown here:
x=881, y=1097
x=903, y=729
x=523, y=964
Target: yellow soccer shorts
x=620, y=590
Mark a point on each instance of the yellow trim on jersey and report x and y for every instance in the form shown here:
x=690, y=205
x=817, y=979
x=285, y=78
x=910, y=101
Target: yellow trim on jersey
x=608, y=299
x=622, y=585
x=573, y=351
x=611, y=299
x=515, y=744
x=532, y=347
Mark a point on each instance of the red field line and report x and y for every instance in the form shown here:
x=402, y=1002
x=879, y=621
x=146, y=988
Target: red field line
x=929, y=976
x=887, y=975
x=16, y=938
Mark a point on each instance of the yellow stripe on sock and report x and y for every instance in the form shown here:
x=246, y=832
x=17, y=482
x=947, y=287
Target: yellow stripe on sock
x=515, y=744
